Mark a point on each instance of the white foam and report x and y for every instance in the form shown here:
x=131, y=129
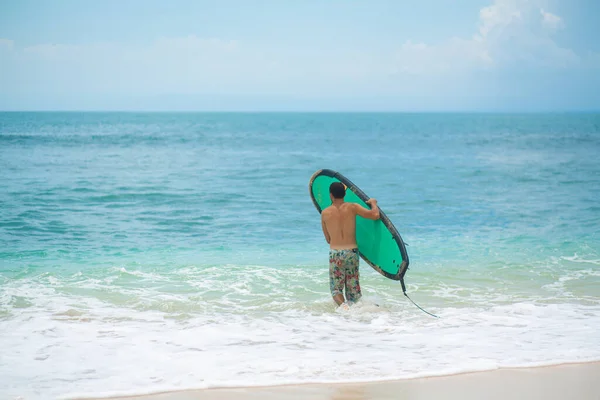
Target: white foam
x=84, y=338
x=579, y=259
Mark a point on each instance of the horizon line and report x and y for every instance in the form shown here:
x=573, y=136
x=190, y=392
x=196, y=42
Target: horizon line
x=292, y=111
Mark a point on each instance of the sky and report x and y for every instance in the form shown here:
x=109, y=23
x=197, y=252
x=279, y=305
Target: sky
x=309, y=55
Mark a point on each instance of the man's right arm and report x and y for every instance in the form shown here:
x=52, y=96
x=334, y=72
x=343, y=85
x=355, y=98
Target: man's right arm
x=324, y=226
x=373, y=213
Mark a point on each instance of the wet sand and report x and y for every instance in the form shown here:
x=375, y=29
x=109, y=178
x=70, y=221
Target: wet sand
x=567, y=381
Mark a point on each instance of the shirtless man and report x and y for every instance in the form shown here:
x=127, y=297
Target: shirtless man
x=339, y=227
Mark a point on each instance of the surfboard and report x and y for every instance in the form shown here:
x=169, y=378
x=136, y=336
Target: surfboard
x=379, y=243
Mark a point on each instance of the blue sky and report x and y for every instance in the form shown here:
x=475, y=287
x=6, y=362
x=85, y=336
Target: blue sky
x=338, y=55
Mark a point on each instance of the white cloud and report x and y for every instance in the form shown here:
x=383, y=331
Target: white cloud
x=187, y=65
x=507, y=34
x=510, y=33
x=498, y=15
x=180, y=64
x=550, y=20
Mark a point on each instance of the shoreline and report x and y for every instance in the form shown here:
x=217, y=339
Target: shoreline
x=554, y=381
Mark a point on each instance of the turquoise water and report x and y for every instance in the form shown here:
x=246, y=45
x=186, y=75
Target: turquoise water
x=143, y=252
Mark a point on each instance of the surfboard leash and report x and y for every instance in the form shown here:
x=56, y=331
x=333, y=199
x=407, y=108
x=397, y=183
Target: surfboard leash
x=411, y=300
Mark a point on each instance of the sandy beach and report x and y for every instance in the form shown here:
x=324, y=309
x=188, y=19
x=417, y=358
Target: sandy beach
x=572, y=381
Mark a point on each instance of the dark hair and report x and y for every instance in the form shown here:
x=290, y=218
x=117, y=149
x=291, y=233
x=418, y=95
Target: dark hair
x=338, y=190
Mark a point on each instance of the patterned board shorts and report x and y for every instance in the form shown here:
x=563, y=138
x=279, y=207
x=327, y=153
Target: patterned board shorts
x=343, y=273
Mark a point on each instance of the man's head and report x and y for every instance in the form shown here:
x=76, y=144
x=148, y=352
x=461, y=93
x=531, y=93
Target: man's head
x=337, y=190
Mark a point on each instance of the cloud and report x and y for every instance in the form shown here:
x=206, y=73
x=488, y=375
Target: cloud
x=511, y=33
x=193, y=64
x=498, y=15
x=550, y=20
x=512, y=50
x=168, y=64
x=508, y=34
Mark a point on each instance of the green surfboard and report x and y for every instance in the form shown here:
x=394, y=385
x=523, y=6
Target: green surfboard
x=379, y=243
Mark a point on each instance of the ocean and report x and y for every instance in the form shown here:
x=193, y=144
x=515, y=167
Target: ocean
x=142, y=252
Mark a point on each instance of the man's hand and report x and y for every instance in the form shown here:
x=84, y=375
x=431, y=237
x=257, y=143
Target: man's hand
x=364, y=212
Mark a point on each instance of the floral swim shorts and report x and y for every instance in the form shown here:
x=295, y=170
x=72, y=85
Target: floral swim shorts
x=343, y=273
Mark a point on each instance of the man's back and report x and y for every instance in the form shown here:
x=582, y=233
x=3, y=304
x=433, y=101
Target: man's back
x=340, y=222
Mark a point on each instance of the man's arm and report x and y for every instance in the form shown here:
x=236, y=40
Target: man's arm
x=373, y=213
x=327, y=237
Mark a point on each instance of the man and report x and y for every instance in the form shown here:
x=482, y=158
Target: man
x=339, y=227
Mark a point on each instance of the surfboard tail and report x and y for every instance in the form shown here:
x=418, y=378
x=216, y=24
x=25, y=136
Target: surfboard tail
x=402, y=271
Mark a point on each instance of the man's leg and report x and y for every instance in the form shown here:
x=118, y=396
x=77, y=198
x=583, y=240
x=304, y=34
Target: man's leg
x=352, y=277
x=336, y=276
